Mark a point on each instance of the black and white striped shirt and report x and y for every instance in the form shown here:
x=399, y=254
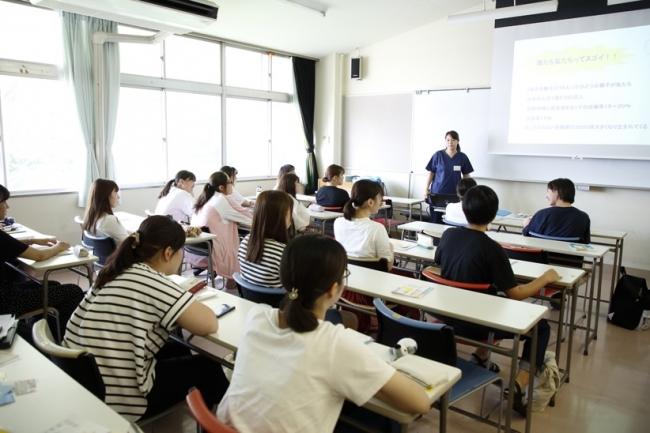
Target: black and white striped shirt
x=124, y=324
x=267, y=272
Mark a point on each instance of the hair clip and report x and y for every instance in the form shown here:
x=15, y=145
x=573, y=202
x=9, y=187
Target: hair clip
x=294, y=294
x=135, y=235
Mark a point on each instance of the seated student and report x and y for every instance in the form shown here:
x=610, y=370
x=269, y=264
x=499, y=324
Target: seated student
x=99, y=219
x=177, y=197
x=220, y=213
x=561, y=219
x=260, y=251
x=329, y=195
x=467, y=254
x=294, y=370
x=126, y=318
x=232, y=173
x=288, y=183
x=285, y=169
x=454, y=212
x=19, y=298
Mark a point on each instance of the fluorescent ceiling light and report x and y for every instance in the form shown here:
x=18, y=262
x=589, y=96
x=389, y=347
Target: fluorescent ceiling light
x=308, y=4
x=618, y=2
x=507, y=12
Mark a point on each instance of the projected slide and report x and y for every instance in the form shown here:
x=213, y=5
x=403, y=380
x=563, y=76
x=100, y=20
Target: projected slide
x=588, y=88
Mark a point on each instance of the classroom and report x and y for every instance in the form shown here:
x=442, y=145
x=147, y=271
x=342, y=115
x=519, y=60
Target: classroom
x=260, y=131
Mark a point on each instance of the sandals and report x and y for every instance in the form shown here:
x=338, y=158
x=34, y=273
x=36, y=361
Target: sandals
x=483, y=363
x=519, y=404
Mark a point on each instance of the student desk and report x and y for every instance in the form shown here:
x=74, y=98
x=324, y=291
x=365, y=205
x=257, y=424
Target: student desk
x=57, y=398
x=323, y=217
x=306, y=198
x=489, y=311
x=410, y=251
x=55, y=263
x=406, y=203
x=610, y=238
x=132, y=222
x=229, y=335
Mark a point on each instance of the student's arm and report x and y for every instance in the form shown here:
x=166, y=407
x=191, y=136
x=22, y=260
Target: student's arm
x=428, y=184
x=383, y=247
x=404, y=394
x=39, y=255
x=198, y=319
x=527, y=290
x=112, y=227
x=526, y=221
x=231, y=211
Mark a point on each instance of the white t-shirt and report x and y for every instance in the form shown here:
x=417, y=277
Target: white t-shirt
x=454, y=213
x=124, y=324
x=227, y=211
x=286, y=381
x=300, y=215
x=178, y=203
x=110, y=226
x=237, y=196
x=363, y=238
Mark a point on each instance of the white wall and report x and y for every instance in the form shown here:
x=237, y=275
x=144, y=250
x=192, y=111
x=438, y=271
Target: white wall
x=438, y=56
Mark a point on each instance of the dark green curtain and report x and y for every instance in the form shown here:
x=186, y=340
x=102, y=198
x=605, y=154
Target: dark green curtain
x=304, y=73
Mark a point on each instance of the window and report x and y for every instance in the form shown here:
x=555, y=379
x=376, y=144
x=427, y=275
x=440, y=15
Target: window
x=193, y=60
x=247, y=136
x=140, y=59
x=247, y=69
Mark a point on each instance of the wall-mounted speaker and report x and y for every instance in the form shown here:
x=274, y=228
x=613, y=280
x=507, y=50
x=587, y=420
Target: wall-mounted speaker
x=356, y=68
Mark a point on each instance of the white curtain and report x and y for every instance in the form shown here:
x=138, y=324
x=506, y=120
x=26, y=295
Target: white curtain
x=78, y=31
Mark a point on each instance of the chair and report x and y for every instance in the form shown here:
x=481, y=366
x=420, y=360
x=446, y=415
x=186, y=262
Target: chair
x=452, y=223
x=558, y=258
x=355, y=301
x=148, y=213
x=100, y=246
x=202, y=414
x=79, y=220
x=77, y=363
x=385, y=217
x=262, y=295
x=437, y=342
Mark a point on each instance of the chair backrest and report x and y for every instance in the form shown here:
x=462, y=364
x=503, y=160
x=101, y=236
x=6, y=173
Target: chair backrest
x=148, y=213
x=262, y=295
x=376, y=263
x=554, y=238
x=101, y=246
x=77, y=363
x=468, y=286
x=534, y=255
x=436, y=341
x=79, y=220
x=200, y=249
x=333, y=208
x=202, y=414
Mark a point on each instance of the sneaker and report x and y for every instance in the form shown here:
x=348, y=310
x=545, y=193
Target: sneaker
x=483, y=363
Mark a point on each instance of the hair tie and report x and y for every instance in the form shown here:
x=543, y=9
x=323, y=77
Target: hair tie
x=136, y=236
x=293, y=295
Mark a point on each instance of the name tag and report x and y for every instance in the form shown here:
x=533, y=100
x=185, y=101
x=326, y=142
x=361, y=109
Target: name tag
x=456, y=167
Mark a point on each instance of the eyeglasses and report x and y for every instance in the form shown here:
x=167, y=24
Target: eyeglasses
x=344, y=280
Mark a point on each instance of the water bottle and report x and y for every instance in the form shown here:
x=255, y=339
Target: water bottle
x=258, y=190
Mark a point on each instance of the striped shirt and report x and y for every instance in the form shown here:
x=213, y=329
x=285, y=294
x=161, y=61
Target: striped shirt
x=267, y=272
x=124, y=324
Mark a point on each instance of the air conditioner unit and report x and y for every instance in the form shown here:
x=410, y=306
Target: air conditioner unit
x=177, y=16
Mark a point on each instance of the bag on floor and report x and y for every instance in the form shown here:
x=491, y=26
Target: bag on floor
x=631, y=297
x=547, y=383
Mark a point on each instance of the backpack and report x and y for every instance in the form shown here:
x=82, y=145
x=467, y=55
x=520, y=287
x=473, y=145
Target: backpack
x=631, y=296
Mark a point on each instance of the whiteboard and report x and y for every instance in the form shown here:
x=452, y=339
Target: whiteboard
x=467, y=112
x=377, y=132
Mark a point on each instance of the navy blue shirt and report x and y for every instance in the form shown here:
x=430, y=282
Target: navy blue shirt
x=563, y=222
x=446, y=176
x=331, y=196
x=10, y=248
x=470, y=256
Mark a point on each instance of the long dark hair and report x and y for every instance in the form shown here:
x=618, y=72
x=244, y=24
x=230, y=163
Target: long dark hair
x=4, y=193
x=332, y=171
x=310, y=265
x=287, y=183
x=455, y=136
x=286, y=168
x=217, y=179
x=99, y=203
x=269, y=222
x=362, y=190
x=230, y=171
x=154, y=234
x=183, y=174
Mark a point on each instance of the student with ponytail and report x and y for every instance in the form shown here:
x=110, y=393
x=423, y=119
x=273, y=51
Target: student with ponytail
x=330, y=195
x=99, y=219
x=177, y=197
x=126, y=318
x=289, y=183
x=360, y=236
x=294, y=370
x=216, y=210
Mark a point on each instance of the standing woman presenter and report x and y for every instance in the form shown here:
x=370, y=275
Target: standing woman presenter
x=446, y=168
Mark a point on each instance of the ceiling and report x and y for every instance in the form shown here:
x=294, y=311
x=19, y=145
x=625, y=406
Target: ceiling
x=347, y=25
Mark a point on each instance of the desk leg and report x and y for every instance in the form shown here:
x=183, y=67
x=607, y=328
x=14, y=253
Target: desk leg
x=511, y=386
x=210, y=269
x=590, y=308
x=531, y=380
x=45, y=288
x=444, y=408
x=614, y=269
x=572, y=321
x=600, y=286
x=560, y=327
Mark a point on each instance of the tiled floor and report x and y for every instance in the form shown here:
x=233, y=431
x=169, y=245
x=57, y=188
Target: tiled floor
x=609, y=391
